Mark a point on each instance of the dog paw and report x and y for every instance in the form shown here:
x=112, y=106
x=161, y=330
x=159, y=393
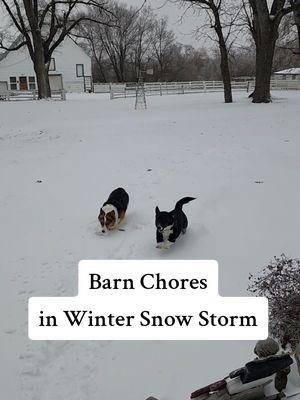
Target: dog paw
x=167, y=245
x=164, y=245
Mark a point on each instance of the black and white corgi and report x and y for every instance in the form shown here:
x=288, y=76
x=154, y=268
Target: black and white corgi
x=169, y=225
x=112, y=213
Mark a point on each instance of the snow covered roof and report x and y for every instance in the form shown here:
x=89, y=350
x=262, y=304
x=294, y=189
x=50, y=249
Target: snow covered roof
x=289, y=71
x=19, y=38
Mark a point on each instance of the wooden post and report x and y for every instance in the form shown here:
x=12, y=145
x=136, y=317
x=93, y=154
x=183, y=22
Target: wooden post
x=248, y=86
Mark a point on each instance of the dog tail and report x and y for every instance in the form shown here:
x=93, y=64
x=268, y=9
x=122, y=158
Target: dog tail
x=183, y=201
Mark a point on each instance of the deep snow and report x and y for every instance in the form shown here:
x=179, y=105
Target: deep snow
x=242, y=163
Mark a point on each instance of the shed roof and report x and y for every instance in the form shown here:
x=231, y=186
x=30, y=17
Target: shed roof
x=289, y=71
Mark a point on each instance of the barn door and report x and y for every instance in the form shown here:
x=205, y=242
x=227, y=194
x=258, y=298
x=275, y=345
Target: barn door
x=23, y=83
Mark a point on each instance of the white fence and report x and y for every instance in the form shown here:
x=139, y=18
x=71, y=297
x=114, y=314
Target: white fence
x=164, y=88
x=279, y=85
x=21, y=95
x=121, y=90
x=102, y=87
x=285, y=85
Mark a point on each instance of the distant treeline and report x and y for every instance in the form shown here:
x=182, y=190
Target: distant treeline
x=140, y=40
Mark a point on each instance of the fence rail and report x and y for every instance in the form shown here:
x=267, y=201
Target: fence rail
x=21, y=95
x=285, y=85
x=165, y=88
x=121, y=90
x=102, y=87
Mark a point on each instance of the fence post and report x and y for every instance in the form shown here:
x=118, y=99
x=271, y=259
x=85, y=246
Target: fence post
x=110, y=92
x=160, y=89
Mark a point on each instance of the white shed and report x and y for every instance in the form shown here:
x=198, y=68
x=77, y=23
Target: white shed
x=70, y=69
x=290, y=74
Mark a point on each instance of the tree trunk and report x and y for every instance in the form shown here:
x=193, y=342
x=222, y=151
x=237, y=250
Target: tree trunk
x=37, y=54
x=225, y=71
x=226, y=75
x=265, y=34
x=42, y=77
x=48, y=80
x=297, y=20
x=264, y=62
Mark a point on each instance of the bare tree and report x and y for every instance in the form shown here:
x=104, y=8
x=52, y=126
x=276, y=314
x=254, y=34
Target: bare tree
x=222, y=16
x=141, y=51
x=127, y=45
x=286, y=50
x=188, y=63
x=242, y=60
x=163, y=45
x=118, y=41
x=138, y=41
x=279, y=281
x=94, y=47
x=264, y=20
x=42, y=25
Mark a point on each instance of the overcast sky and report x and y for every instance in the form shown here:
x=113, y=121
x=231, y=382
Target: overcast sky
x=182, y=25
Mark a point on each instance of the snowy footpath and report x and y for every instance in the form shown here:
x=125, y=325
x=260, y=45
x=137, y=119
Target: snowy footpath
x=58, y=163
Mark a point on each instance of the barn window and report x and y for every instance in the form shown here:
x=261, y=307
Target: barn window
x=294, y=77
x=13, y=83
x=32, y=85
x=79, y=70
x=52, y=65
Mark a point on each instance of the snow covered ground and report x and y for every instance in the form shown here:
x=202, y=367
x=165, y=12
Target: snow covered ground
x=58, y=163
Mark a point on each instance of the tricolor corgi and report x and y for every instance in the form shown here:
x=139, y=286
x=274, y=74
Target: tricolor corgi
x=112, y=213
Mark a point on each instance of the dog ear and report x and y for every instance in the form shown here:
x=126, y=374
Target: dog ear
x=156, y=210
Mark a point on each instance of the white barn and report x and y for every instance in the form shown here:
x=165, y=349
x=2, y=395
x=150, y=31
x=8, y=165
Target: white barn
x=70, y=69
x=290, y=74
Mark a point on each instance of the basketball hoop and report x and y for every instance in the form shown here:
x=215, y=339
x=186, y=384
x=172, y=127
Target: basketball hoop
x=140, y=98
